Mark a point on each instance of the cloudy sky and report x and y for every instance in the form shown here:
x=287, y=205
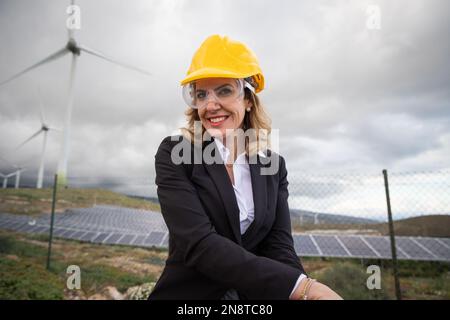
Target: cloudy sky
x=346, y=95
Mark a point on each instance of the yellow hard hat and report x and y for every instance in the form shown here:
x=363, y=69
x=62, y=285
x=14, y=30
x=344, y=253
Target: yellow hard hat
x=221, y=57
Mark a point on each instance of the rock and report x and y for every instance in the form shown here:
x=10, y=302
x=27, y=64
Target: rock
x=139, y=292
x=74, y=294
x=97, y=296
x=12, y=257
x=111, y=293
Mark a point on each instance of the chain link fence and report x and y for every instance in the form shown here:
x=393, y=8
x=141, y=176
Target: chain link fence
x=353, y=209
x=332, y=215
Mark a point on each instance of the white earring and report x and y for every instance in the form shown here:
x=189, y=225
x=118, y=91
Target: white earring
x=248, y=109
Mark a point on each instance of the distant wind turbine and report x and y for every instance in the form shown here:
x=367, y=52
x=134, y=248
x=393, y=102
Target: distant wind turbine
x=316, y=218
x=45, y=128
x=5, y=178
x=72, y=47
x=17, y=173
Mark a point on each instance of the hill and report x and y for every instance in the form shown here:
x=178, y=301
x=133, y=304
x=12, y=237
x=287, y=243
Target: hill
x=423, y=226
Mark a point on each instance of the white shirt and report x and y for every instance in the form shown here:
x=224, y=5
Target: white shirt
x=242, y=186
x=243, y=190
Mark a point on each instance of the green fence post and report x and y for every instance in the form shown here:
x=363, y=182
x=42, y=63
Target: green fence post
x=52, y=219
x=392, y=236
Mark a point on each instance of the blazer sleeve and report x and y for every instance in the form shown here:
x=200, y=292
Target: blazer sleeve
x=203, y=249
x=278, y=244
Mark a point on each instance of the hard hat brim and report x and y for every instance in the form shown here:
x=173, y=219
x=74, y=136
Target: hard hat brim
x=212, y=73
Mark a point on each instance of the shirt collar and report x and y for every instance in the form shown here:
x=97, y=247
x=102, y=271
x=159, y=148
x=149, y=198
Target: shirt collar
x=225, y=153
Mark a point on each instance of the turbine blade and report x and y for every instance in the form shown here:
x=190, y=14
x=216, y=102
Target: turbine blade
x=41, y=106
x=33, y=136
x=103, y=56
x=51, y=57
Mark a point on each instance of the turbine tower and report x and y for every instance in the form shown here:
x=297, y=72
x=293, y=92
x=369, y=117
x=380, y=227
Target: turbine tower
x=5, y=178
x=75, y=49
x=45, y=128
x=16, y=173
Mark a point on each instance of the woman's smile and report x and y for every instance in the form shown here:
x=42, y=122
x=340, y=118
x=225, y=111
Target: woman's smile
x=217, y=120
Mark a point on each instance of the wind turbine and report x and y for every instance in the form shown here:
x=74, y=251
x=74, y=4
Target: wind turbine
x=17, y=173
x=5, y=178
x=74, y=48
x=18, y=168
x=316, y=218
x=45, y=128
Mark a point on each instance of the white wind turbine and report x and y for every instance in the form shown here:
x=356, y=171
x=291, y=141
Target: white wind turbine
x=16, y=173
x=44, y=129
x=74, y=48
x=5, y=178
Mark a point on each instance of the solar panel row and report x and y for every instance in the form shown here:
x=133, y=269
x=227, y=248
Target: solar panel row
x=109, y=225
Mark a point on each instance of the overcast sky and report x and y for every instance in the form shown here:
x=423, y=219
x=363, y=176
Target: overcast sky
x=346, y=97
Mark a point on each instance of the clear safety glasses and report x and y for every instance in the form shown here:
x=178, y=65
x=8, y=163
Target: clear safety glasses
x=198, y=96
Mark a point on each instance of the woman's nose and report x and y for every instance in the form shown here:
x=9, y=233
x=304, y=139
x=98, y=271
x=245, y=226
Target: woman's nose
x=212, y=104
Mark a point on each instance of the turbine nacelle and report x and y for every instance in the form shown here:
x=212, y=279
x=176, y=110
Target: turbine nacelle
x=73, y=47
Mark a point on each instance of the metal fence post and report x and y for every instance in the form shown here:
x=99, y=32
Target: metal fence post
x=55, y=183
x=392, y=236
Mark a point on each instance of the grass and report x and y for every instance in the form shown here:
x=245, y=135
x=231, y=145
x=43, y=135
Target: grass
x=23, y=257
x=36, y=201
x=424, y=280
x=23, y=280
x=23, y=274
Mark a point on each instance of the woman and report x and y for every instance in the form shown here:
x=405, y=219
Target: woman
x=228, y=219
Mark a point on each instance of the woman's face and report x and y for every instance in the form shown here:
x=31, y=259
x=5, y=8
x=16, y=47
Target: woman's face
x=219, y=115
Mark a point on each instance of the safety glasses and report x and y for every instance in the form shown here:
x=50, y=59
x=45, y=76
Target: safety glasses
x=197, y=96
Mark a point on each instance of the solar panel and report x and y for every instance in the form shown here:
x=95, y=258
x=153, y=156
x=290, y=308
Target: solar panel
x=356, y=246
x=100, y=238
x=113, y=238
x=305, y=246
x=412, y=249
x=165, y=242
x=330, y=246
x=42, y=229
x=154, y=238
x=126, y=239
x=76, y=235
x=139, y=241
x=57, y=232
x=380, y=245
x=112, y=225
x=88, y=236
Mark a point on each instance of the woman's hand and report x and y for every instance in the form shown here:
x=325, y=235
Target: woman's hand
x=316, y=291
x=319, y=291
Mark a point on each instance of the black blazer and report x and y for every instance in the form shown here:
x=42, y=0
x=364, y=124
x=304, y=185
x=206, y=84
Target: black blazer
x=207, y=254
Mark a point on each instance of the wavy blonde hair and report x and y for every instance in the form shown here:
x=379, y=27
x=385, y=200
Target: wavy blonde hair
x=257, y=119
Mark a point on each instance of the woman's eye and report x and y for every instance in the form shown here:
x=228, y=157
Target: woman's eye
x=200, y=95
x=223, y=92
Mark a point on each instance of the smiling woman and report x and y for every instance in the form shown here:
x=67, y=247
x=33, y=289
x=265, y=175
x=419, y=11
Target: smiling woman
x=229, y=223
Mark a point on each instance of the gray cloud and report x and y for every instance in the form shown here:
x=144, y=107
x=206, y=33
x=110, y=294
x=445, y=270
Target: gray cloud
x=344, y=97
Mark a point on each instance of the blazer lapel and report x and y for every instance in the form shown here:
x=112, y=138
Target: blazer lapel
x=225, y=189
x=220, y=177
x=259, y=185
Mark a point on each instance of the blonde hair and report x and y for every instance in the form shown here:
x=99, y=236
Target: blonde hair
x=256, y=119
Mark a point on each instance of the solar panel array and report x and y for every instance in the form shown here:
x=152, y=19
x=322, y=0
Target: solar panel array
x=124, y=226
